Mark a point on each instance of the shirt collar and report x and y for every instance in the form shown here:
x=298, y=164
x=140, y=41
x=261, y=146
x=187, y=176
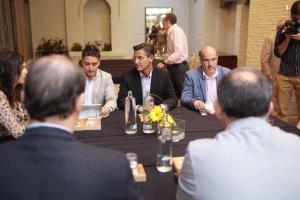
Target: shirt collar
x=144, y=77
x=94, y=78
x=206, y=77
x=172, y=28
x=51, y=125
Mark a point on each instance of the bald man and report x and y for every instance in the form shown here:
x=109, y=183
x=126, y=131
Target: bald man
x=250, y=159
x=48, y=162
x=200, y=84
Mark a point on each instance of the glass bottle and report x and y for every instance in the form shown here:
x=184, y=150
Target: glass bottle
x=148, y=126
x=130, y=114
x=164, y=147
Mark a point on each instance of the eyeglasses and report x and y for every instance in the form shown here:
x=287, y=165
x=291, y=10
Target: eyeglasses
x=207, y=61
x=139, y=59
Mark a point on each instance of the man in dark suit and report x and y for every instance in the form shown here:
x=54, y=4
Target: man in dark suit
x=48, y=162
x=144, y=78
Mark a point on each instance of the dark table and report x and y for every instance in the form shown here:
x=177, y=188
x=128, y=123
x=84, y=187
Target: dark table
x=158, y=185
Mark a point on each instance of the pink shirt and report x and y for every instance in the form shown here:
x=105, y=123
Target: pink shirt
x=211, y=88
x=177, y=46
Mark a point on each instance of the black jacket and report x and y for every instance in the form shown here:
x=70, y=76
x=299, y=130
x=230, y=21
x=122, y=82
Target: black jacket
x=161, y=86
x=50, y=163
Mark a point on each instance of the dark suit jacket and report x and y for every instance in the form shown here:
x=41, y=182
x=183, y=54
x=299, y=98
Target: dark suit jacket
x=49, y=163
x=161, y=86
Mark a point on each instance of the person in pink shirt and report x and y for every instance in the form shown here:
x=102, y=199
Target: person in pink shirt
x=177, y=52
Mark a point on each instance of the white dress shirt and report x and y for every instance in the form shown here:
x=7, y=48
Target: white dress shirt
x=89, y=91
x=177, y=46
x=146, y=83
x=211, y=88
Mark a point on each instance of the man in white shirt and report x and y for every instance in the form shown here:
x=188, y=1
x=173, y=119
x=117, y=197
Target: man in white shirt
x=200, y=84
x=177, y=50
x=146, y=78
x=99, y=88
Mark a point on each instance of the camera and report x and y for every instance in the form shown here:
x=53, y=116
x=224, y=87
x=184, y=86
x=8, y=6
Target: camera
x=291, y=27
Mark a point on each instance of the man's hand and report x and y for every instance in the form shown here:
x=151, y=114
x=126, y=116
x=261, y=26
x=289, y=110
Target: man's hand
x=160, y=65
x=296, y=36
x=104, y=111
x=199, y=105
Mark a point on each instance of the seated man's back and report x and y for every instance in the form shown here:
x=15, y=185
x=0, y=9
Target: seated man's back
x=48, y=162
x=259, y=163
x=250, y=159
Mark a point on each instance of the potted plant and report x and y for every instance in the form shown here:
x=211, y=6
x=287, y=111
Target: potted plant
x=76, y=47
x=51, y=46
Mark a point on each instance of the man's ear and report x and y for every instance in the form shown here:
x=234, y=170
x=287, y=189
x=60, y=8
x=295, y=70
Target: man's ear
x=80, y=63
x=151, y=58
x=220, y=114
x=79, y=101
x=218, y=109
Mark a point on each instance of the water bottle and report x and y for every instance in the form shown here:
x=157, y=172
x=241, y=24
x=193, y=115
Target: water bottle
x=164, y=149
x=148, y=126
x=130, y=114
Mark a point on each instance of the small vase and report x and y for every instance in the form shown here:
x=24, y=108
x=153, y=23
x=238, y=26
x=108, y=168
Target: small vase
x=164, y=148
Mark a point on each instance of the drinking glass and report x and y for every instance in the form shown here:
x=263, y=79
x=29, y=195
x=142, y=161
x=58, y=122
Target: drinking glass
x=203, y=112
x=133, y=162
x=178, y=130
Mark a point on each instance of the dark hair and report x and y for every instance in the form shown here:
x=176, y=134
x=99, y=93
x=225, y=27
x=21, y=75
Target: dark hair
x=171, y=17
x=148, y=48
x=18, y=92
x=295, y=10
x=10, y=70
x=52, y=86
x=90, y=50
x=244, y=92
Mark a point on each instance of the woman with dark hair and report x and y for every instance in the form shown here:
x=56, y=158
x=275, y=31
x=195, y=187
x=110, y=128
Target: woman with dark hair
x=12, y=111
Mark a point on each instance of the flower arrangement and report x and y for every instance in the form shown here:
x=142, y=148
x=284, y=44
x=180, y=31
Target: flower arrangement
x=158, y=115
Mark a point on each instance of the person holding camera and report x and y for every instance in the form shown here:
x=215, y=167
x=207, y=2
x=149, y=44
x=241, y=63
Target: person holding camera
x=287, y=48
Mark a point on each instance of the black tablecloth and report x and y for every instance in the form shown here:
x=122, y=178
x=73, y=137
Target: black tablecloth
x=158, y=185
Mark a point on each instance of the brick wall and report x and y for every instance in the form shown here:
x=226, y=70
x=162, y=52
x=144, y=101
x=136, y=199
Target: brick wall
x=263, y=17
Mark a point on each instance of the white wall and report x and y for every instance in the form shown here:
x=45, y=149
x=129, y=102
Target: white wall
x=227, y=30
x=129, y=22
x=47, y=20
x=97, y=21
x=202, y=20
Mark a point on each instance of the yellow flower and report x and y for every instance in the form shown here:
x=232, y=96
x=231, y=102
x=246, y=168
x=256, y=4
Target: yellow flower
x=156, y=114
x=170, y=120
